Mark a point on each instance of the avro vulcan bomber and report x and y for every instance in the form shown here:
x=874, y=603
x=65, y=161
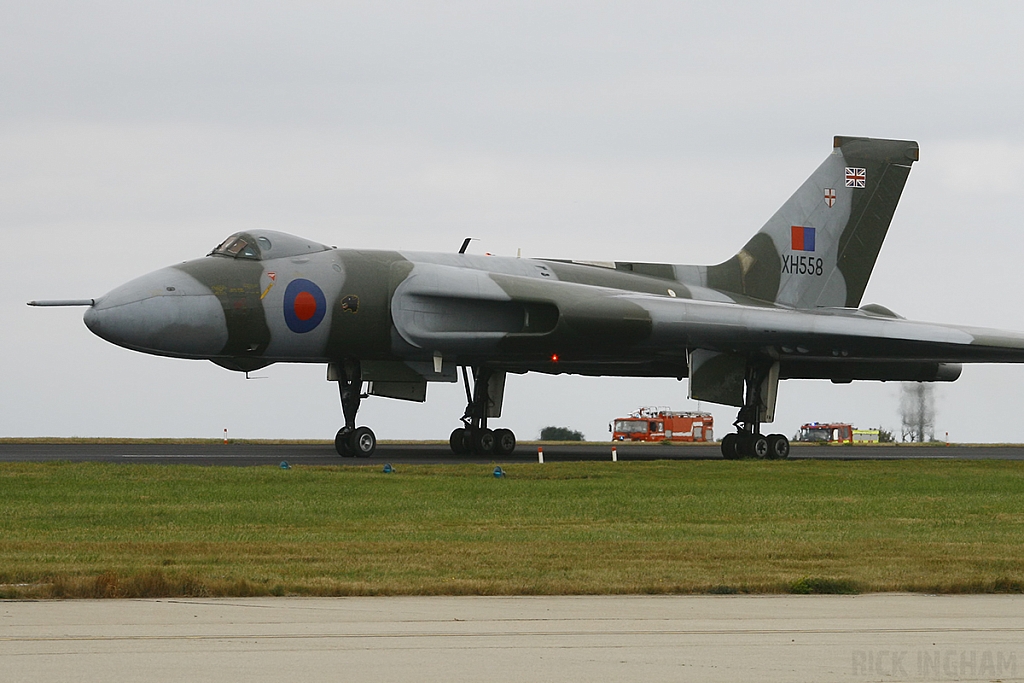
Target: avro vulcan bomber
x=387, y=323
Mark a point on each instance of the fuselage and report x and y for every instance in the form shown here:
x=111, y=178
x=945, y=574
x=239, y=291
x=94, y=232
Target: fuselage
x=326, y=304
x=316, y=304
x=786, y=305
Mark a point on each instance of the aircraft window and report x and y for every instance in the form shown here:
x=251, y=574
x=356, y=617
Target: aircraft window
x=222, y=247
x=265, y=245
x=238, y=247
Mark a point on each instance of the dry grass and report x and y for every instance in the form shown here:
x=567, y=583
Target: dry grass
x=109, y=530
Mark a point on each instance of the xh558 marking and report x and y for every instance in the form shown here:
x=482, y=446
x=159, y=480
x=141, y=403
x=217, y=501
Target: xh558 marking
x=386, y=323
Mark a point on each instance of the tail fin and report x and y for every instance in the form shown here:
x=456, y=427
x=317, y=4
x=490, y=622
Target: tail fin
x=820, y=247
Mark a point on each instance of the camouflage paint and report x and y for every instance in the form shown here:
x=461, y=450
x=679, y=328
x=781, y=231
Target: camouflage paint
x=236, y=284
x=363, y=331
x=845, y=261
x=628, y=319
x=754, y=271
x=888, y=166
x=660, y=270
x=572, y=320
x=622, y=278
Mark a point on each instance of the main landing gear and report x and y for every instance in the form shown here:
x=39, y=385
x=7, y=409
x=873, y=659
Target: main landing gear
x=753, y=445
x=475, y=436
x=352, y=441
x=748, y=442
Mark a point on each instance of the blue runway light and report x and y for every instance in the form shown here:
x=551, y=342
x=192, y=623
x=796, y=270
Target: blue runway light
x=388, y=469
x=285, y=465
x=498, y=472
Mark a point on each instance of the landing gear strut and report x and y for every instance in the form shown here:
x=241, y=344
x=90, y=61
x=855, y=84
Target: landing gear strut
x=352, y=441
x=475, y=436
x=748, y=442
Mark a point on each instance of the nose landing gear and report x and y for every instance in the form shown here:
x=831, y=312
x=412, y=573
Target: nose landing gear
x=360, y=442
x=351, y=441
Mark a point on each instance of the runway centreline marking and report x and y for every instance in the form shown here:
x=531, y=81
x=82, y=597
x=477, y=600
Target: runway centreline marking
x=175, y=455
x=883, y=456
x=195, y=455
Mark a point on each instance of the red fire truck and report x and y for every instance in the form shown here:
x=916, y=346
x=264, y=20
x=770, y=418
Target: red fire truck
x=662, y=424
x=827, y=432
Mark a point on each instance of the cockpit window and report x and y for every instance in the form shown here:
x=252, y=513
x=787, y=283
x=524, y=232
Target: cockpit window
x=265, y=245
x=239, y=246
x=223, y=246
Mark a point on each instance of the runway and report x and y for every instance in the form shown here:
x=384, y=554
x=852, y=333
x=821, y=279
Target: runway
x=576, y=638
x=250, y=454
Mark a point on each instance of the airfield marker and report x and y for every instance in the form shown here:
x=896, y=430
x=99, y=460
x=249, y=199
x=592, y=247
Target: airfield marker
x=615, y=456
x=540, y=455
x=225, y=436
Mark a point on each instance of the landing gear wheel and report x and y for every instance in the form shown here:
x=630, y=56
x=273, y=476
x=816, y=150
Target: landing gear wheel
x=351, y=441
x=743, y=446
x=362, y=442
x=757, y=446
x=341, y=443
x=458, y=441
x=730, y=444
x=778, y=447
x=483, y=442
x=504, y=441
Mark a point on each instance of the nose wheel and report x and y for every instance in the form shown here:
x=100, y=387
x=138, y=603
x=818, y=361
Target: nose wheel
x=352, y=441
x=360, y=442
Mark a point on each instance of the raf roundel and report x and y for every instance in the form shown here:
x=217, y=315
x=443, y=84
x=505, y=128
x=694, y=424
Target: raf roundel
x=304, y=306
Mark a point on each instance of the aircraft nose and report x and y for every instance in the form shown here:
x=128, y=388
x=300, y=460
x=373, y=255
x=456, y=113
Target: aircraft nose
x=167, y=312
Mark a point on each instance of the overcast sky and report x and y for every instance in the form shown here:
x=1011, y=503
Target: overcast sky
x=135, y=135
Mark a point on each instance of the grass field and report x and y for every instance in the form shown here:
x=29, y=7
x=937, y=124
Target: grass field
x=94, y=530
